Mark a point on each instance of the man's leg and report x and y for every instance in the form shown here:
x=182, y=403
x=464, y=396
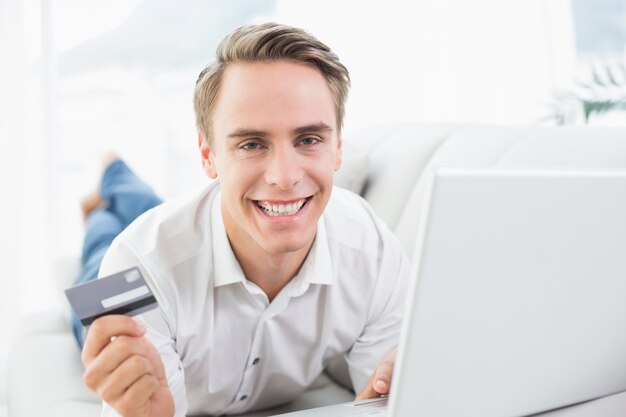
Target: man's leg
x=127, y=195
x=124, y=197
x=101, y=227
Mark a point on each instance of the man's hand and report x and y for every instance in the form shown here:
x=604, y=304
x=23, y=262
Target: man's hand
x=380, y=381
x=125, y=369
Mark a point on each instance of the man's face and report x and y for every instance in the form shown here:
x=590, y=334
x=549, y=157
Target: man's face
x=275, y=150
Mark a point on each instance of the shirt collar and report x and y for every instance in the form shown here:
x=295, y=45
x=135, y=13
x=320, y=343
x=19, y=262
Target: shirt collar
x=227, y=269
x=317, y=267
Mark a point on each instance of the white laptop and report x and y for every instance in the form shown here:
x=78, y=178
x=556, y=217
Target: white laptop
x=517, y=304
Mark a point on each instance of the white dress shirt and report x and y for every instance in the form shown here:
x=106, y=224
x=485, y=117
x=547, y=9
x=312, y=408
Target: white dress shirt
x=225, y=347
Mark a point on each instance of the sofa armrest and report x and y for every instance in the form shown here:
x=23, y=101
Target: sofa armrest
x=42, y=322
x=45, y=370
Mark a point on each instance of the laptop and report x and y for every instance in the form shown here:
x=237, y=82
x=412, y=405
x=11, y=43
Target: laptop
x=517, y=304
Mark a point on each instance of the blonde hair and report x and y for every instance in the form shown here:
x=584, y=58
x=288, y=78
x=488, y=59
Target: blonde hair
x=265, y=43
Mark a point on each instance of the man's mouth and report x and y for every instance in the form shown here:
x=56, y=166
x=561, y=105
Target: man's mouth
x=274, y=208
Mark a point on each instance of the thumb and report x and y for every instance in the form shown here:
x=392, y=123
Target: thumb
x=154, y=357
x=382, y=378
x=380, y=381
x=368, y=390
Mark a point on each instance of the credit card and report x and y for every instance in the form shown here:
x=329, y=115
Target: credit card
x=125, y=292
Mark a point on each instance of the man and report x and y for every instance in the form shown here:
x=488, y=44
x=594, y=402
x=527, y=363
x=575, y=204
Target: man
x=263, y=277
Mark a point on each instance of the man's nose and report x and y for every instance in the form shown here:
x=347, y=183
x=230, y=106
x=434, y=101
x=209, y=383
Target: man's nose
x=284, y=169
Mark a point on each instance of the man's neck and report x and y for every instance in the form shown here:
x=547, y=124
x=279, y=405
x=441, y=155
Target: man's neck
x=270, y=272
x=269, y=269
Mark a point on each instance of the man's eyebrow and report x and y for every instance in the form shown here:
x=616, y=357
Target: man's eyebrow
x=243, y=132
x=313, y=128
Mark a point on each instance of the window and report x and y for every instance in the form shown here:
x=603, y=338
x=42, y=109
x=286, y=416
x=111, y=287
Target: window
x=600, y=27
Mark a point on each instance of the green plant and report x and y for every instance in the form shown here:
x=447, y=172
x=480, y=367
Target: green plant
x=604, y=92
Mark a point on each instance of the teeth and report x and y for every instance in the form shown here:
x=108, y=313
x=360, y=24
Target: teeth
x=281, y=209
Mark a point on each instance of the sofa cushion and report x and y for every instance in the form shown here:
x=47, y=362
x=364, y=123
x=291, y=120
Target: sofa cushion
x=515, y=147
x=398, y=154
x=353, y=171
x=45, y=370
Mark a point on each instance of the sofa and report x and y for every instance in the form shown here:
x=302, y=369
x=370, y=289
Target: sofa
x=385, y=164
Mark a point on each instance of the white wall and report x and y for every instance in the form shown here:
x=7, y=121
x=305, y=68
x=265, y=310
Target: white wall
x=24, y=167
x=491, y=61
x=20, y=164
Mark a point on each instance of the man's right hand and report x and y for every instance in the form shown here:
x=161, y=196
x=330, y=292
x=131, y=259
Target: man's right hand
x=125, y=369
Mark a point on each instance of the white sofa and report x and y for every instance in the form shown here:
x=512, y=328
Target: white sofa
x=385, y=164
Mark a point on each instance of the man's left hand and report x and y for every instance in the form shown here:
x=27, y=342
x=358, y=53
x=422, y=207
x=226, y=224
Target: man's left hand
x=380, y=381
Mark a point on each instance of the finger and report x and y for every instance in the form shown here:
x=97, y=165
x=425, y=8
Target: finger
x=103, y=329
x=137, y=396
x=141, y=391
x=155, y=358
x=129, y=372
x=384, y=373
x=112, y=356
x=382, y=377
x=368, y=390
x=380, y=381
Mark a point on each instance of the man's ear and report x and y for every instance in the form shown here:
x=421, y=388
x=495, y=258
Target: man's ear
x=339, y=155
x=206, y=155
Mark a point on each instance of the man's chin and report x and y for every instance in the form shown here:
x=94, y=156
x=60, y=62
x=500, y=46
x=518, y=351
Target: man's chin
x=285, y=248
x=289, y=243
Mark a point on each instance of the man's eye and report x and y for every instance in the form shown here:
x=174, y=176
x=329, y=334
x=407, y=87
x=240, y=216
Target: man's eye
x=309, y=141
x=252, y=146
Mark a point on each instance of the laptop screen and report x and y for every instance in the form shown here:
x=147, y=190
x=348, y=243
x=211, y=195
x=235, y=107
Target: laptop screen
x=518, y=299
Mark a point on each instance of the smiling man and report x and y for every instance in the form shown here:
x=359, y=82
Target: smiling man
x=267, y=274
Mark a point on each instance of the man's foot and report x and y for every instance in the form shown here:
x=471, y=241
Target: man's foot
x=93, y=200
x=108, y=159
x=90, y=202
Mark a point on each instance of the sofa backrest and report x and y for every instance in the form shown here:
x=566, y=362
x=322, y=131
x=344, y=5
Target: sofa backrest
x=399, y=154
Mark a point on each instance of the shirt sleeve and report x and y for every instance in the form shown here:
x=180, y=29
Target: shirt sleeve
x=382, y=330
x=159, y=329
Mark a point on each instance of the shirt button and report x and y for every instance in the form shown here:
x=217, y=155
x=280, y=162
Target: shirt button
x=243, y=397
x=255, y=361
